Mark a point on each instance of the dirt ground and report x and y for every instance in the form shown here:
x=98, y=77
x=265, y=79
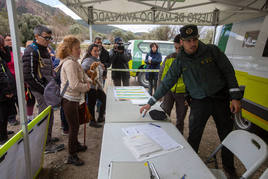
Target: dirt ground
x=54, y=164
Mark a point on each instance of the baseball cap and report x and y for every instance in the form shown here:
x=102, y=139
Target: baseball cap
x=117, y=39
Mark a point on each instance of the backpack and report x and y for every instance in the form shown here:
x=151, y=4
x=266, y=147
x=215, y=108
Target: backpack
x=52, y=94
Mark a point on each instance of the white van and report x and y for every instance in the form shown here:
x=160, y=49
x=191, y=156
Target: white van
x=246, y=45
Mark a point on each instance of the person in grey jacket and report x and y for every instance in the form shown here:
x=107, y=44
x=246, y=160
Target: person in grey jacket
x=96, y=91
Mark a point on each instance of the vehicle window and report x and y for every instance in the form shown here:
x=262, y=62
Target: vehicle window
x=265, y=51
x=164, y=48
x=250, y=39
x=144, y=47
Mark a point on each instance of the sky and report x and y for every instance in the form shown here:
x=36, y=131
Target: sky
x=65, y=9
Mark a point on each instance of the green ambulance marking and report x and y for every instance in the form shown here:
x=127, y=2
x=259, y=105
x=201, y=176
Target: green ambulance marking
x=137, y=55
x=225, y=33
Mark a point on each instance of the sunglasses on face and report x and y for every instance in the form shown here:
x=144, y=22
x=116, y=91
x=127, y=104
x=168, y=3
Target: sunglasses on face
x=47, y=38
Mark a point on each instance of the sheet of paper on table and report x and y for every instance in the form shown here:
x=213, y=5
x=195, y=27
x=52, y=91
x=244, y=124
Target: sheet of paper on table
x=131, y=93
x=139, y=101
x=155, y=133
x=141, y=145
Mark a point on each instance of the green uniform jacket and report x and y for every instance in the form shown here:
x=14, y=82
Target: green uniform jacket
x=179, y=87
x=205, y=73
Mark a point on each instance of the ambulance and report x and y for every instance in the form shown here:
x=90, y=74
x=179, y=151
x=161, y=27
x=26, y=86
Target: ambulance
x=246, y=45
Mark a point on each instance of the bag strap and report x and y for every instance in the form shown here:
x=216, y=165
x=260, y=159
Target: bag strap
x=35, y=47
x=64, y=89
x=67, y=83
x=3, y=68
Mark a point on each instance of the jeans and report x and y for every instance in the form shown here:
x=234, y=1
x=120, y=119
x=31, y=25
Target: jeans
x=41, y=105
x=92, y=96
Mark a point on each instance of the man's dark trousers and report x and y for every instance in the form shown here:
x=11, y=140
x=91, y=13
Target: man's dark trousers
x=181, y=109
x=121, y=79
x=201, y=109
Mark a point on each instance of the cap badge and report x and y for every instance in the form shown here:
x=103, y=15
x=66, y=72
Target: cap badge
x=189, y=31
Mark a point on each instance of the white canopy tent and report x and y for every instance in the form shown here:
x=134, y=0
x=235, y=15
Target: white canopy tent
x=200, y=12
x=168, y=12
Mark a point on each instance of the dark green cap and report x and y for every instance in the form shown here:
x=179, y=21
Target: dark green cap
x=189, y=31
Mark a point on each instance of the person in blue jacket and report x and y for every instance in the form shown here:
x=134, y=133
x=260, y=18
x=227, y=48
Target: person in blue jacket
x=153, y=60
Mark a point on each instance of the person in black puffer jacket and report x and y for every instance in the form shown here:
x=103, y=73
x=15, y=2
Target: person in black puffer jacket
x=38, y=71
x=7, y=92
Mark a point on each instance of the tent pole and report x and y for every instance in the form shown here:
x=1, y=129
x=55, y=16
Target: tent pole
x=214, y=34
x=90, y=22
x=215, y=23
x=12, y=18
x=90, y=33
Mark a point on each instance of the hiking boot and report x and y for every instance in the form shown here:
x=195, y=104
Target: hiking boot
x=54, y=139
x=101, y=119
x=50, y=148
x=73, y=159
x=10, y=132
x=94, y=124
x=81, y=148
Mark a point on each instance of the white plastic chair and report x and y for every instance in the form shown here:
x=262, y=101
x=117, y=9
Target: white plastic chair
x=248, y=147
x=264, y=174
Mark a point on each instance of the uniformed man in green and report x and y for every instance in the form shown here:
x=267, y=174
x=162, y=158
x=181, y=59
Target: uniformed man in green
x=210, y=80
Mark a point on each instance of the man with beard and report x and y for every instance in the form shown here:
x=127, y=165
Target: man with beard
x=210, y=81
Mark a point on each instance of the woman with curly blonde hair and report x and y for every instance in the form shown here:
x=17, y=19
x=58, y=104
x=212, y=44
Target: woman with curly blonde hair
x=71, y=72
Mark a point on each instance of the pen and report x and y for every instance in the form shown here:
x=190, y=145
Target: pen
x=144, y=114
x=183, y=177
x=155, y=125
x=155, y=172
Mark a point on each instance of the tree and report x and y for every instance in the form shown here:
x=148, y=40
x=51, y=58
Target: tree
x=130, y=36
x=60, y=26
x=26, y=24
x=75, y=29
x=161, y=33
x=119, y=33
x=4, y=27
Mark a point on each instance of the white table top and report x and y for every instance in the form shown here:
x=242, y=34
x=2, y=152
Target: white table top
x=125, y=111
x=172, y=165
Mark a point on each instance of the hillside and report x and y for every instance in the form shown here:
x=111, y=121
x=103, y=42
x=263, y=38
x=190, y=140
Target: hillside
x=47, y=12
x=104, y=29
